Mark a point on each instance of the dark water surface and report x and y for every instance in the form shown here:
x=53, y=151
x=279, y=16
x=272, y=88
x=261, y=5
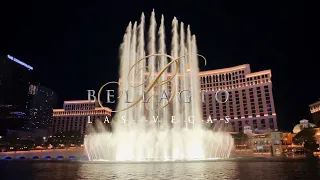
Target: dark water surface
x=42, y=170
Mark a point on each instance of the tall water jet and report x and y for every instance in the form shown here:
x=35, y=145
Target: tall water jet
x=155, y=129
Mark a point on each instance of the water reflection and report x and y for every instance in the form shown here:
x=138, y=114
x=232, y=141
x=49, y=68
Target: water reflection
x=200, y=170
x=279, y=170
x=217, y=170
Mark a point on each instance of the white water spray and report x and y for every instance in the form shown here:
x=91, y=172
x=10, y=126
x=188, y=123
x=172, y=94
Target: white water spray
x=150, y=135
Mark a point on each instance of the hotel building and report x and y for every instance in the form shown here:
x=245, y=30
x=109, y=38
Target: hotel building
x=315, y=111
x=74, y=116
x=250, y=101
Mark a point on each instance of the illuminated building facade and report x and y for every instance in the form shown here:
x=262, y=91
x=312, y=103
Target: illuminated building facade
x=250, y=100
x=74, y=116
x=266, y=143
x=315, y=110
x=15, y=78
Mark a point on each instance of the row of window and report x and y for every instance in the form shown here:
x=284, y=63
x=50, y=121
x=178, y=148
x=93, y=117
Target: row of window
x=231, y=78
x=222, y=77
x=79, y=106
x=236, y=82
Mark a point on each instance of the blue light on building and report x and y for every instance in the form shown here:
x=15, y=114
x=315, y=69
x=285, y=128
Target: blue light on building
x=20, y=62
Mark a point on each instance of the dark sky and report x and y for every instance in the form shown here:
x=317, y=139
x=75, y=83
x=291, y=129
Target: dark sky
x=74, y=46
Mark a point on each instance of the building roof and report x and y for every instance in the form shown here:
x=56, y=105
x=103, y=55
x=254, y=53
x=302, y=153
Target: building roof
x=297, y=128
x=225, y=70
x=78, y=101
x=315, y=104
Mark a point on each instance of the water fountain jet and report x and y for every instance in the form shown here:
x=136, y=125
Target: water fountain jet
x=162, y=140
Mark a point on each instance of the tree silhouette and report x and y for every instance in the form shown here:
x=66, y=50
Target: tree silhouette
x=38, y=141
x=66, y=138
x=11, y=138
x=240, y=138
x=306, y=137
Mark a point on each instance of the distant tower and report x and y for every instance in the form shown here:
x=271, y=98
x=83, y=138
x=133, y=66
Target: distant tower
x=40, y=112
x=15, y=76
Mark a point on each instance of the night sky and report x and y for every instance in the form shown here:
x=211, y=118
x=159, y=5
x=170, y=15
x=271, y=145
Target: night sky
x=74, y=46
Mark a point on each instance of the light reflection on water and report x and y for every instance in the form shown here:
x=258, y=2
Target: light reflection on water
x=161, y=171
x=198, y=170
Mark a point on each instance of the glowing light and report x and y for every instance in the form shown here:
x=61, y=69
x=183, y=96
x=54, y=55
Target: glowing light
x=19, y=113
x=20, y=62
